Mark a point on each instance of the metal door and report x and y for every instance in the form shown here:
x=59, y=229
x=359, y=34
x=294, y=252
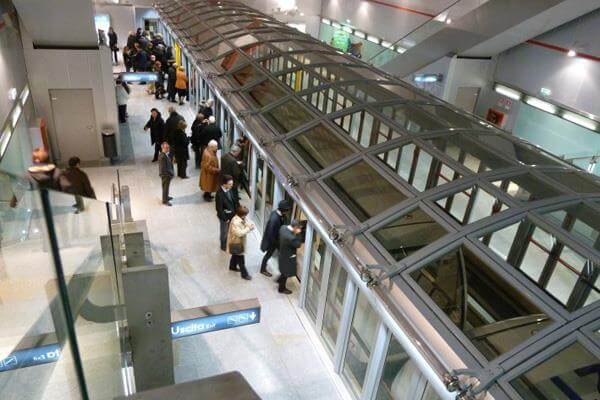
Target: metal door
x=75, y=124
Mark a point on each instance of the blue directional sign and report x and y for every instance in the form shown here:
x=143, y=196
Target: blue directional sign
x=212, y=323
x=29, y=357
x=131, y=77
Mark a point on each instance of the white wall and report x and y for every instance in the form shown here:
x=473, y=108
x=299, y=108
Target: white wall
x=575, y=82
x=466, y=73
x=122, y=19
x=72, y=69
x=142, y=13
x=310, y=8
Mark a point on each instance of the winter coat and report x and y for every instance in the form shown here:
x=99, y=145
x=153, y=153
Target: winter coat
x=288, y=244
x=209, y=173
x=226, y=204
x=131, y=39
x=112, y=40
x=238, y=230
x=45, y=176
x=75, y=181
x=230, y=166
x=181, y=144
x=198, y=137
x=205, y=110
x=180, y=80
x=122, y=95
x=157, y=129
x=165, y=165
x=171, y=126
x=270, y=237
x=213, y=132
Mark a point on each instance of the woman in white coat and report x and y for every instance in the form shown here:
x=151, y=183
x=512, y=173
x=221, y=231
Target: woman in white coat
x=239, y=228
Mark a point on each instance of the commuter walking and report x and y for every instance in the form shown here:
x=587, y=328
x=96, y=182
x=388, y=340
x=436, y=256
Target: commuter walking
x=166, y=172
x=171, y=81
x=226, y=203
x=181, y=83
x=239, y=228
x=212, y=131
x=181, y=145
x=156, y=124
x=289, y=242
x=171, y=125
x=198, y=138
x=113, y=44
x=77, y=183
x=44, y=174
x=270, y=239
x=209, y=173
x=122, y=97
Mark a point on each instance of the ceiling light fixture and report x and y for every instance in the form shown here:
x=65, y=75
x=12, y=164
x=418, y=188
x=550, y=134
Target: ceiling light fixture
x=580, y=120
x=542, y=105
x=508, y=92
x=360, y=34
x=373, y=39
x=571, y=53
x=326, y=21
x=448, y=21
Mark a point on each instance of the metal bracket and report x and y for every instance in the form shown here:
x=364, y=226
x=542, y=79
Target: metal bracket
x=246, y=113
x=340, y=234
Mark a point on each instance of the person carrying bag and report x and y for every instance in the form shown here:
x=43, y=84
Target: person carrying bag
x=236, y=241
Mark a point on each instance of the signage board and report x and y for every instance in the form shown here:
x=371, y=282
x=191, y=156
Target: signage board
x=212, y=323
x=30, y=357
x=130, y=77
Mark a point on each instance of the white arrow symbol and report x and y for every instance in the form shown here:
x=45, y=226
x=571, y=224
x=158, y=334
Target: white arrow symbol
x=253, y=316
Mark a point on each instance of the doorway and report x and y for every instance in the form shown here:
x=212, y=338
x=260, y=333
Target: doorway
x=75, y=124
x=151, y=25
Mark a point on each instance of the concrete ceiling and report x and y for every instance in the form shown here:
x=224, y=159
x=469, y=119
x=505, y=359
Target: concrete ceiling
x=58, y=23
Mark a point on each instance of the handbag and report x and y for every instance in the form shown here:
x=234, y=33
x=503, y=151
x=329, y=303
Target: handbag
x=236, y=248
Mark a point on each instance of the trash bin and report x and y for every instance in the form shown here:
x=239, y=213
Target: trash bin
x=109, y=143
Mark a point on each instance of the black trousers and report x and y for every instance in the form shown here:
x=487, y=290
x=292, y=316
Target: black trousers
x=181, y=168
x=159, y=90
x=238, y=261
x=122, y=113
x=115, y=52
x=171, y=95
x=166, y=183
x=197, y=157
x=182, y=93
x=265, y=260
x=156, y=151
x=282, y=280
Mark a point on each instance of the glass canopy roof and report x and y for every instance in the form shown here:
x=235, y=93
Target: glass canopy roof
x=500, y=240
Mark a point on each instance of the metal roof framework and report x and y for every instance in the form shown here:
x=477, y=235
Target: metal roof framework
x=204, y=25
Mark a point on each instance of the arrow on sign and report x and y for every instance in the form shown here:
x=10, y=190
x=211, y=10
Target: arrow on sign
x=253, y=316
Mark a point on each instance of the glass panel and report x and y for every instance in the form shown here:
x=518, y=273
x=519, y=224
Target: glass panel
x=363, y=332
x=247, y=75
x=319, y=147
x=527, y=188
x=580, y=182
x=563, y=273
x=581, y=221
x=471, y=205
x=571, y=374
x=409, y=233
x=469, y=153
x=401, y=379
x=519, y=150
x=404, y=92
x=265, y=93
x=418, y=168
x=451, y=118
x=494, y=315
x=315, y=276
x=258, y=201
x=365, y=129
x=217, y=50
x=364, y=191
x=413, y=119
x=336, y=291
x=288, y=116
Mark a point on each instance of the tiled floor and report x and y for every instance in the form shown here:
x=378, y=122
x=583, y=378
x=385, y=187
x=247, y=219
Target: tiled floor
x=276, y=356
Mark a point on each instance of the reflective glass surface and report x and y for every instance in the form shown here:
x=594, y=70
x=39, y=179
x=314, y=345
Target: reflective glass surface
x=492, y=314
x=451, y=118
x=469, y=153
x=366, y=129
x=518, y=151
x=580, y=220
x=364, y=191
x=411, y=118
x=315, y=276
x=527, y=188
x=265, y=93
x=288, y=116
x=571, y=374
x=471, y=205
x=363, y=332
x=246, y=75
x=409, y=233
x=580, y=182
x=336, y=291
x=319, y=147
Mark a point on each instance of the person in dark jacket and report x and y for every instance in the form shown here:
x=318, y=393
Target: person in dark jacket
x=159, y=90
x=112, y=43
x=270, y=239
x=289, y=242
x=181, y=149
x=156, y=124
x=212, y=131
x=171, y=125
x=166, y=172
x=206, y=108
x=171, y=81
x=127, y=59
x=77, y=183
x=226, y=203
x=231, y=165
x=198, y=142
x=131, y=40
x=44, y=174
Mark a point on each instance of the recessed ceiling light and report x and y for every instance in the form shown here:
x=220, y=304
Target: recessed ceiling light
x=448, y=21
x=571, y=53
x=348, y=21
x=508, y=92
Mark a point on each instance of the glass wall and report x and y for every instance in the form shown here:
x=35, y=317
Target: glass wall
x=334, y=303
x=315, y=276
x=363, y=332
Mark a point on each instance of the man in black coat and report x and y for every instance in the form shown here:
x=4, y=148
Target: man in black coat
x=231, y=165
x=182, y=154
x=198, y=142
x=289, y=242
x=212, y=131
x=226, y=203
x=156, y=124
x=166, y=172
x=172, y=78
x=171, y=125
x=77, y=183
x=270, y=239
x=206, y=108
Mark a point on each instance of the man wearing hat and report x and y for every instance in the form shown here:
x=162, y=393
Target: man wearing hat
x=270, y=239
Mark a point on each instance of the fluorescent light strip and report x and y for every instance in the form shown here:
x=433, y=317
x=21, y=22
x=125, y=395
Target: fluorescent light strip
x=580, y=120
x=347, y=29
x=542, y=105
x=400, y=49
x=326, y=21
x=360, y=34
x=508, y=92
x=386, y=44
x=336, y=25
x=373, y=39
